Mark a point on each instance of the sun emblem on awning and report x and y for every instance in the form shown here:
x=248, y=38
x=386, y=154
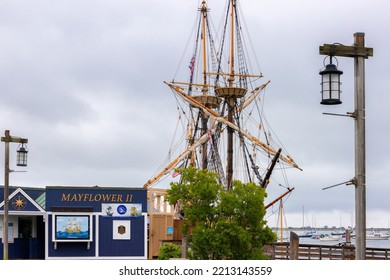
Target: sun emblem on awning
x=19, y=202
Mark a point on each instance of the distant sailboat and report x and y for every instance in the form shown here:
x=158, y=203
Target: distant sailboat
x=309, y=233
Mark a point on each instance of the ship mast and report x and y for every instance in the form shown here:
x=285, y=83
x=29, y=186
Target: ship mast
x=231, y=100
x=230, y=95
x=205, y=88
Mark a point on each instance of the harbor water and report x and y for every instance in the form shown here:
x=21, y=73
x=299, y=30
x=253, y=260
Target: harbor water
x=313, y=241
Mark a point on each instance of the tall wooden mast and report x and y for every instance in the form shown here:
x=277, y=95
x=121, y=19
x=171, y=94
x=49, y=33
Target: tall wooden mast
x=230, y=94
x=205, y=88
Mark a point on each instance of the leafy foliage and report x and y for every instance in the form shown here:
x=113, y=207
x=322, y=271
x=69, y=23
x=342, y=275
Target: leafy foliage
x=169, y=251
x=221, y=224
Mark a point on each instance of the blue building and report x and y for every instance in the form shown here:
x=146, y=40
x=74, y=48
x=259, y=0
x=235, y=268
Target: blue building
x=76, y=223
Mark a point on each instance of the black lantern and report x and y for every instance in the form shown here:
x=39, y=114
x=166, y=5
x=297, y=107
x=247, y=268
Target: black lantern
x=330, y=84
x=21, y=157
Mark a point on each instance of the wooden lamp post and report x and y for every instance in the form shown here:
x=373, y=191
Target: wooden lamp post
x=359, y=52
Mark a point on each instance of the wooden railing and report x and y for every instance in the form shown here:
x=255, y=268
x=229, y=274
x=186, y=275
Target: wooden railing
x=282, y=251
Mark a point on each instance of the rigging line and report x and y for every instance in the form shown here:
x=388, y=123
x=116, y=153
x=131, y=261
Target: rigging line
x=221, y=21
x=171, y=150
x=184, y=119
x=184, y=124
x=213, y=51
x=255, y=168
x=192, y=139
x=284, y=173
x=210, y=26
x=245, y=149
x=174, y=134
x=193, y=58
x=275, y=136
x=284, y=177
x=273, y=210
x=287, y=197
x=285, y=219
x=218, y=127
x=242, y=67
x=185, y=48
x=262, y=122
x=196, y=126
x=178, y=103
x=222, y=45
x=178, y=98
x=249, y=113
x=249, y=120
x=249, y=39
x=245, y=158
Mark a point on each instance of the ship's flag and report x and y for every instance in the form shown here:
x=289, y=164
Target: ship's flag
x=177, y=171
x=191, y=66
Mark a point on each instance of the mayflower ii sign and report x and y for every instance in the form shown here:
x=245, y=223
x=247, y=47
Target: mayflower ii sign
x=94, y=196
x=98, y=197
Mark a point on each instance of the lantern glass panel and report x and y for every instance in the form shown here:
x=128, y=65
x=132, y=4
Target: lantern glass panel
x=335, y=78
x=21, y=158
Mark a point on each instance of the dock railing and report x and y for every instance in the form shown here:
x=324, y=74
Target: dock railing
x=283, y=251
x=293, y=250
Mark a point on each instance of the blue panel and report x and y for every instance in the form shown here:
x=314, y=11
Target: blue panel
x=70, y=249
x=135, y=247
x=19, y=249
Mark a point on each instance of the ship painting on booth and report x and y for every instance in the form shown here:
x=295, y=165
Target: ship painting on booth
x=72, y=227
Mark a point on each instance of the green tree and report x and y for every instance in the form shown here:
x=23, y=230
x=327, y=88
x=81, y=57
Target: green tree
x=221, y=224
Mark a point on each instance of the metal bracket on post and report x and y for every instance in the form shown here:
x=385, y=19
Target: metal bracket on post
x=349, y=182
x=349, y=114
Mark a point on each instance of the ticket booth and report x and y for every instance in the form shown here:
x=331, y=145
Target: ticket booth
x=96, y=223
x=26, y=228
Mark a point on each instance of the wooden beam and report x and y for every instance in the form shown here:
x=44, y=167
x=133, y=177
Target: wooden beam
x=10, y=139
x=346, y=51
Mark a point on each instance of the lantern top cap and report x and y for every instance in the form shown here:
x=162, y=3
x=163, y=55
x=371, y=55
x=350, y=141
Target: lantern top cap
x=331, y=68
x=22, y=149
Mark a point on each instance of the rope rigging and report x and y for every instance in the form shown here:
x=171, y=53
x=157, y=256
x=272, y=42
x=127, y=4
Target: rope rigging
x=207, y=120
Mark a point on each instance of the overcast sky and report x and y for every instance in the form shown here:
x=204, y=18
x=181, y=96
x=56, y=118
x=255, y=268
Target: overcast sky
x=83, y=81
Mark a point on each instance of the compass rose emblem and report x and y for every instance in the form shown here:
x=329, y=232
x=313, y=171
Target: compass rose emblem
x=19, y=202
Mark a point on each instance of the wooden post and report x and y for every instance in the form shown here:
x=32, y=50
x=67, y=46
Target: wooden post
x=7, y=139
x=348, y=237
x=184, y=248
x=294, y=246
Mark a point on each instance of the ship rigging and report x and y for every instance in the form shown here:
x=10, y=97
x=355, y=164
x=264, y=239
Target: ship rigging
x=222, y=107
